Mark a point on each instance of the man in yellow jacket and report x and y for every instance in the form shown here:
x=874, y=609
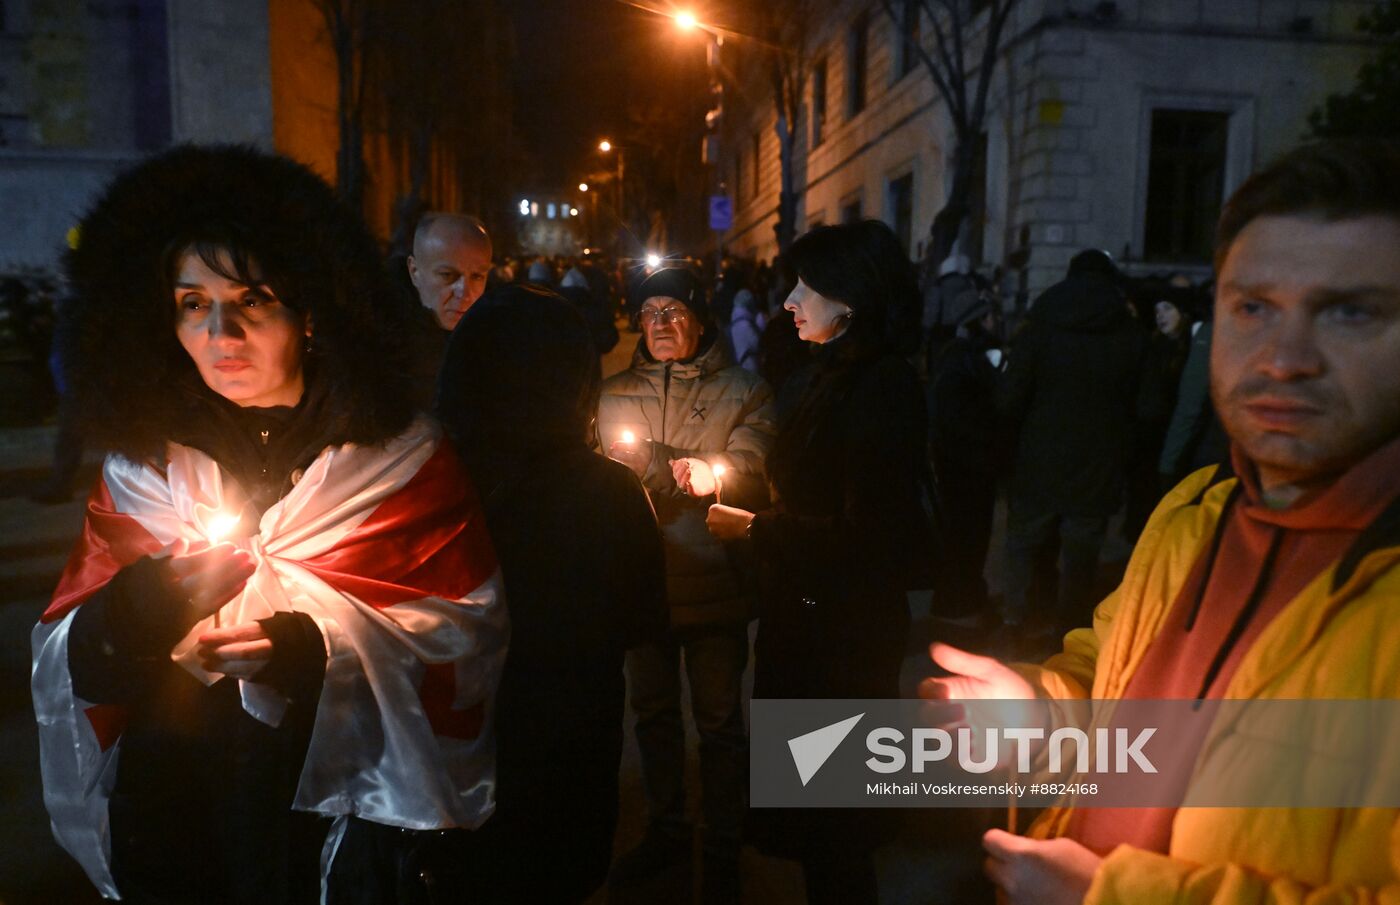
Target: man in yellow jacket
x=1275, y=576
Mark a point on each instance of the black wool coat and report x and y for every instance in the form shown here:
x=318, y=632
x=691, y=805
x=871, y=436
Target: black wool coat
x=1071, y=393
x=852, y=529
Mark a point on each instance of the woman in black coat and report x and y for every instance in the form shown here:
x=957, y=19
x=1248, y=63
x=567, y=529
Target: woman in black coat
x=852, y=529
x=585, y=580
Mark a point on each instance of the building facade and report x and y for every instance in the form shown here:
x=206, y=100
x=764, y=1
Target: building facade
x=1119, y=125
x=89, y=86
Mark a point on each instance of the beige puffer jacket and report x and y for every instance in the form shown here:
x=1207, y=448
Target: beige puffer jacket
x=712, y=409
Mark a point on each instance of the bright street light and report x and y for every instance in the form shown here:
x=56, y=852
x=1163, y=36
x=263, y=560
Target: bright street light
x=653, y=260
x=573, y=212
x=605, y=146
x=583, y=186
x=685, y=21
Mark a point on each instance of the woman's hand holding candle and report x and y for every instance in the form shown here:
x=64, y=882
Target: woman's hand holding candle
x=728, y=523
x=239, y=650
x=208, y=577
x=695, y=476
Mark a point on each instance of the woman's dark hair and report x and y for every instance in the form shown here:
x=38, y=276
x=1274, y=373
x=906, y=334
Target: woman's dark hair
x=252, y=217
x=1336, y=179
x=862, y=265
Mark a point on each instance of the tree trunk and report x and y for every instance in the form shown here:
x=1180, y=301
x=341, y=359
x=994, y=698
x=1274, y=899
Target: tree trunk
x=350, y=158
x=786, y=227
x=943, y=233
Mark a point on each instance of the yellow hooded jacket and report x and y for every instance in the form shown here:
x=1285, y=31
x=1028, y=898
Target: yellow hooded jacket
x=1338, y=639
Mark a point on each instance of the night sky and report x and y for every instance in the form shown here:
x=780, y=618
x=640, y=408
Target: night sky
x=577, y=62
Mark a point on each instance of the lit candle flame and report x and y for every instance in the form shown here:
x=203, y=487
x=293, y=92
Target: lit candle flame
x=220, y=527
x=685, y=21
x=629, y=437
x=719, y=471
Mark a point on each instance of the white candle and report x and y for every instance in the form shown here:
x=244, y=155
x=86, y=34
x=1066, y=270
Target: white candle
x=719, y=471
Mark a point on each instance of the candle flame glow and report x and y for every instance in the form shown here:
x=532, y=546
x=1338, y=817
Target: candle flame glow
x=719, y=471
x=220, y=527
x=685, y=20
x=629, y=437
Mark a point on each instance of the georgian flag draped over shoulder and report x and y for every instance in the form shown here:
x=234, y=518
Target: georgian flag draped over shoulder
x=386, y=549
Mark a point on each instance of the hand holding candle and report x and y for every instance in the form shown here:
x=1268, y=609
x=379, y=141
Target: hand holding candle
x=626, y=449
x=238, y=650
x=696, y=476
x=209, y=577
x=728, y=523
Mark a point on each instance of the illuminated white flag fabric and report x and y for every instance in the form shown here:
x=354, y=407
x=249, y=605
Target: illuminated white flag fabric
x=386, y=549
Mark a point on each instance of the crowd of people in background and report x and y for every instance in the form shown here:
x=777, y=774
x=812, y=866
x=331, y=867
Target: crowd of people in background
x=804, y=444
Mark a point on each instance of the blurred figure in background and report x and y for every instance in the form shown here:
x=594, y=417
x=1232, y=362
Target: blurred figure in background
x=1071, y=394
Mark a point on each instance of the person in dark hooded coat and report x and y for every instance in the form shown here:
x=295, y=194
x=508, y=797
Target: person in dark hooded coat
x=583, y=565
x=1071, y=392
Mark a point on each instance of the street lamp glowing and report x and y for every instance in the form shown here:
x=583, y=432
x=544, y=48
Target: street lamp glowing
x=653, y=260
x=524, y=208
x=685, y=21
x=605, y=146
x=573, y=212
x=583, y=186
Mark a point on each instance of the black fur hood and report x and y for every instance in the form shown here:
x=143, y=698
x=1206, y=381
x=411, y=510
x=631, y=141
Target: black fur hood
x=135, y=388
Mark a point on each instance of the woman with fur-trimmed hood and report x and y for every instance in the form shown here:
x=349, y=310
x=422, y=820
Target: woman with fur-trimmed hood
x=284, y=606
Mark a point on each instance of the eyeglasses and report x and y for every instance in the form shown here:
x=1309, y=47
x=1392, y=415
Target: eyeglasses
x=673, y=314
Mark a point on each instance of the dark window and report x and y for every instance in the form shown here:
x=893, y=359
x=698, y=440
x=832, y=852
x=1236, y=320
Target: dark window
x=1185, y=184
x=857, y=47
x=818, y=101
x=850, y=211
x=906, y=56
x=902, y=208
x=757, y=142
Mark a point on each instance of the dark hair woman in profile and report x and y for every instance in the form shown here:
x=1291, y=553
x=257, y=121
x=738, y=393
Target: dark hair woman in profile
x=853, y=526
x=283, y=607
x=582, y=561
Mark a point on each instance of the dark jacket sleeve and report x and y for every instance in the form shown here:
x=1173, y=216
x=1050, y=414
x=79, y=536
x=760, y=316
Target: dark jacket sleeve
x=1018, y=382
x=884, y=532
x=638, y=564
x=298, y=655
x=121, y=637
